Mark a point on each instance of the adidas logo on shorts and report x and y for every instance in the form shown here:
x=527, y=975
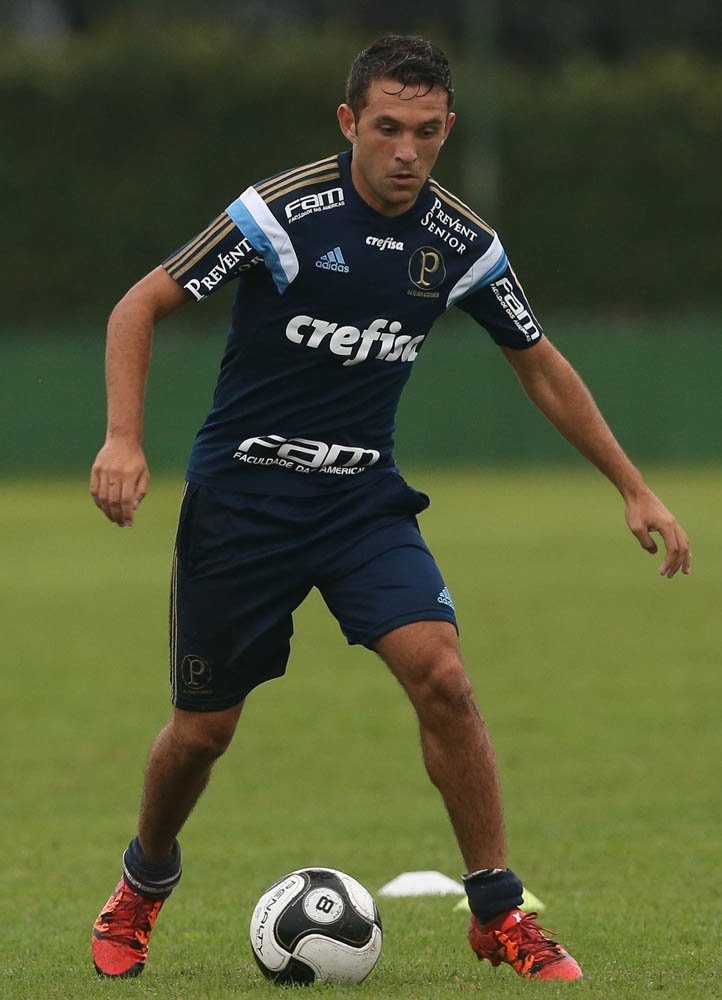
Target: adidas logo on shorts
x=333, y=261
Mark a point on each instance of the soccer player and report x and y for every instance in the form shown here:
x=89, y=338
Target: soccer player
x=341, y=268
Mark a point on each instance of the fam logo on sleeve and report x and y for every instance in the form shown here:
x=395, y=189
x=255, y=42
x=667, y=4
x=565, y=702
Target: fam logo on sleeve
x=320, y=201
x=523, y=319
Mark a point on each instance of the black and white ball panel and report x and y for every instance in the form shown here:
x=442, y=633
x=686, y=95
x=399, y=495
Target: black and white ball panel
x=316, y=924
x=325, y=907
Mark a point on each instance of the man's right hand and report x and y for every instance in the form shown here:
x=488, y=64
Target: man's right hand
x=119, y=480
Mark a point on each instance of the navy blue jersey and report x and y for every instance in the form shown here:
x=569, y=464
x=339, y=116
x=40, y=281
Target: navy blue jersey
x=333, y=306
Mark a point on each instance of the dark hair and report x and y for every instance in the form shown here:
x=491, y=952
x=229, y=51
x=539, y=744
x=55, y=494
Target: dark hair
x=408, y=59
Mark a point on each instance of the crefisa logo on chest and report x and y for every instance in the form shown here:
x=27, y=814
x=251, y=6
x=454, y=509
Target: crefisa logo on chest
x=381, y=340
x=384, y=243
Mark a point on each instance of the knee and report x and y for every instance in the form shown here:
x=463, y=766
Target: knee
x=203, y=735
x=441, y=688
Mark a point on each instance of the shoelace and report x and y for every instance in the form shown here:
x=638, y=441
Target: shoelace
x=525, y=944
x=133, y=918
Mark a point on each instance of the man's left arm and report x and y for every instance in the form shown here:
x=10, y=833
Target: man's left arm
x=552, y=384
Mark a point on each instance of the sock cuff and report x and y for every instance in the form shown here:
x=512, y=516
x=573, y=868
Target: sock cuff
x=155, y=879
x=482, y=873
x=492, y=891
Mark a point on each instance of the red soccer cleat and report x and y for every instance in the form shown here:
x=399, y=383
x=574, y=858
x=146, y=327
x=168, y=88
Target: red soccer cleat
x=516, y=939
x=122, y=932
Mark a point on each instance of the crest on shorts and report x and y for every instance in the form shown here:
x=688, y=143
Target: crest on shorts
x=196, y=673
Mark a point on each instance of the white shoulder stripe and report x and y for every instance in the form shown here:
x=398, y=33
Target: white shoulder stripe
x=482, y=272
x=256, y=221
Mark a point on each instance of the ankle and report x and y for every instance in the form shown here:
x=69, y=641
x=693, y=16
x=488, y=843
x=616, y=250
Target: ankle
x=492, y=891
x=152, y=878
x=153, y=854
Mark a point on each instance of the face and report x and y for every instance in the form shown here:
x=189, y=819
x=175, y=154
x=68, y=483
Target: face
x=396, y=138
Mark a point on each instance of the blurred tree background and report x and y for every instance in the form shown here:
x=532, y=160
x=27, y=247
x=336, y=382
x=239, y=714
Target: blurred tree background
x=590, y=134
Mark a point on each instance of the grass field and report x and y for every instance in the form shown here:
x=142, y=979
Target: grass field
x=601, y=683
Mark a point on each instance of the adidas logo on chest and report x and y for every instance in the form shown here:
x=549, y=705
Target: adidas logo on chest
x=333, y=260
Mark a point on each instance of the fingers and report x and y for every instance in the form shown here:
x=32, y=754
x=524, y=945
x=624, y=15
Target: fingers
x=117, y=489
x=109, y=497
x=120, y=502
x=640, y=528
x=141, y=487
x=678, y=554
x=648, y=515
x=646, y=540
x=676, y=544
x=687, y=561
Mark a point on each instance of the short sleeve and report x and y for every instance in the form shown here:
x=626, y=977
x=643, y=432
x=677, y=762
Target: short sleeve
x=215, y=256
x=490, y=292
x=501, y=307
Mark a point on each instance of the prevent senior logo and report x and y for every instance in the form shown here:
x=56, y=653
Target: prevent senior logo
x=241, y=257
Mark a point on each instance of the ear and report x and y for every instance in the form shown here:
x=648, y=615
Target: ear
x=450, y=119
x=347, y=122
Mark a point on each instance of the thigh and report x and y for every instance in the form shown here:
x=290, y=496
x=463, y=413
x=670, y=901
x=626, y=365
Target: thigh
x=236, y=582
x=396, y=586
x=412, y=651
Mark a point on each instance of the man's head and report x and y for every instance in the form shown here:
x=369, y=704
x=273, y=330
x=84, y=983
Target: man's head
x=410, y=61
x=397, y=115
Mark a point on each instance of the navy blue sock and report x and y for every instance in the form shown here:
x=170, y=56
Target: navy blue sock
x=492, y=891
x=157, y=880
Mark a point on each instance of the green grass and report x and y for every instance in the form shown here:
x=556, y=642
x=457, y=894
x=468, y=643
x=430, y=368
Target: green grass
x=600, y=682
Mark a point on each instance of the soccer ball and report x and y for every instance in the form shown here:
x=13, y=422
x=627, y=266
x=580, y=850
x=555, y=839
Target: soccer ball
x=316, y=925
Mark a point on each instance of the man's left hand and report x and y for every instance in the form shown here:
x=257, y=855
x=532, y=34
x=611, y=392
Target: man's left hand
x=646, y=513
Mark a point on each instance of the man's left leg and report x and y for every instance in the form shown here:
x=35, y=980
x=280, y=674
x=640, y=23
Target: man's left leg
x=426, y=660
x=382, y=584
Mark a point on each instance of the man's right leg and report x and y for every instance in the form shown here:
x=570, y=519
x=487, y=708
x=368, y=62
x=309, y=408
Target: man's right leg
x=230, y=628
x=179, y=766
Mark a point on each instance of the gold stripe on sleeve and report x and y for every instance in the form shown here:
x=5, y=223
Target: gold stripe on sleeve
x=335, y=176
x=516, y=279
x=190, y=247
x=459, y=206
x=203, y=249
x=266, y=187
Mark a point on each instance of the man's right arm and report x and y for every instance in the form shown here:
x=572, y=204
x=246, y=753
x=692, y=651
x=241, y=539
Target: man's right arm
x=119, y=477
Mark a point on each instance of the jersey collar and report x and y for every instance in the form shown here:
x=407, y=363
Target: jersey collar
x=411, y=215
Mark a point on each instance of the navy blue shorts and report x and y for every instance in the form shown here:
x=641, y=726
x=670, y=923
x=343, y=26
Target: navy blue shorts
x=244, y=562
